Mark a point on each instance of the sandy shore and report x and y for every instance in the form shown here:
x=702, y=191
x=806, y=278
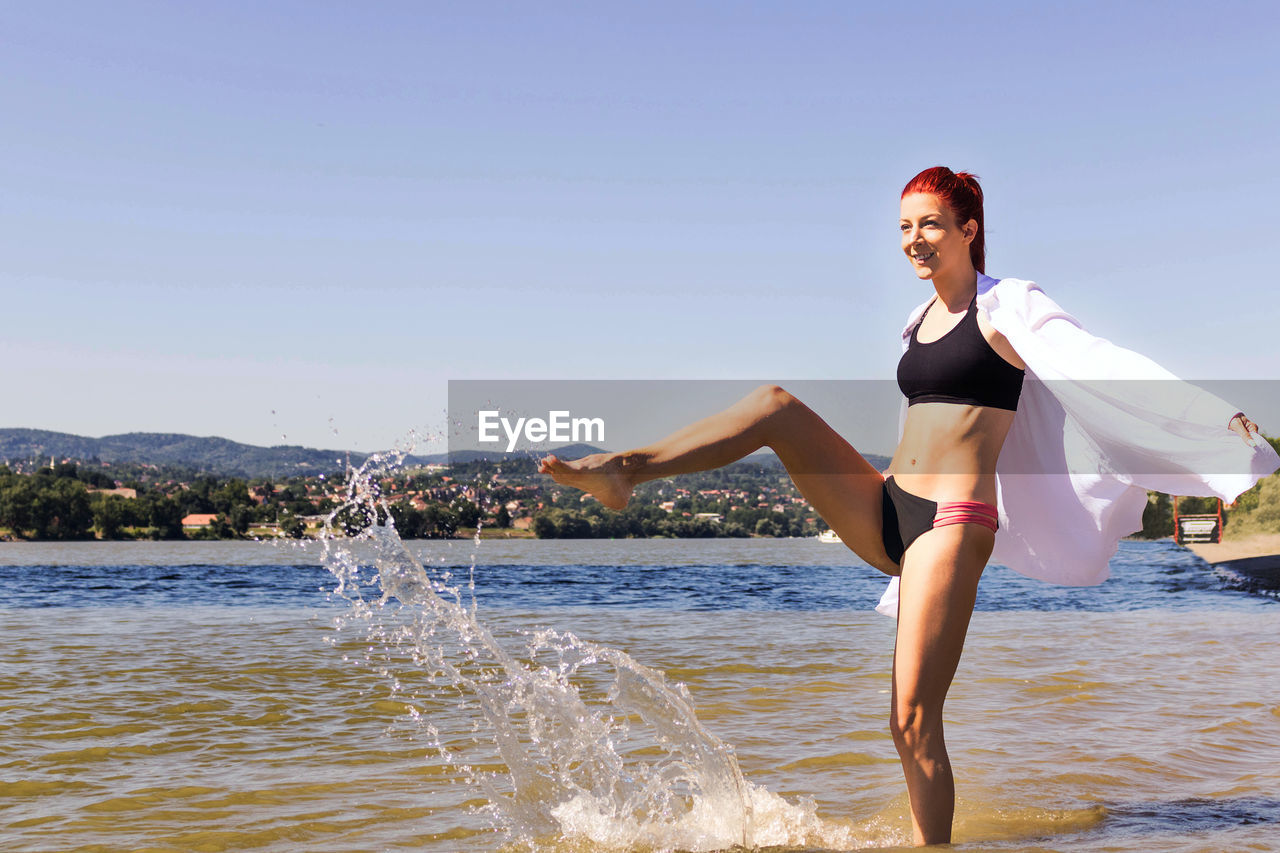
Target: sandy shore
x=1258, y=545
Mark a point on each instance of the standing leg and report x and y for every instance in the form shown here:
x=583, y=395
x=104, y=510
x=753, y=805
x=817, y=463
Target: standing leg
x=841, y=485
x=939, y=585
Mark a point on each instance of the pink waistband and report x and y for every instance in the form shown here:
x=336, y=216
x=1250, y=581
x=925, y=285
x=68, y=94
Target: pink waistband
x=966, y=512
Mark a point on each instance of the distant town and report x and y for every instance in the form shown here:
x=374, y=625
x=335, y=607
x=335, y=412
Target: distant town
x=68, y=499
x=50, y=497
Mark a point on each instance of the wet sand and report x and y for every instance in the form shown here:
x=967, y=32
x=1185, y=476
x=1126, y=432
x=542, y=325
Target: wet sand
x=1247, y=548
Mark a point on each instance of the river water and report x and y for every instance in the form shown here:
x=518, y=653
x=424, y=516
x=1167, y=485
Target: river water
x=218, y=696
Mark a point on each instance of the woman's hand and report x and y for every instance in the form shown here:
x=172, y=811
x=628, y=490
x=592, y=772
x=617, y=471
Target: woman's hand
x=1242, y=426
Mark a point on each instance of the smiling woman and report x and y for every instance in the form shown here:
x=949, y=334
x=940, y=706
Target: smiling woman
x=957, y=491
x=943, y=210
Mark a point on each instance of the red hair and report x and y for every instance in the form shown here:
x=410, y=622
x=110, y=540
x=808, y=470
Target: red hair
x=960, y=192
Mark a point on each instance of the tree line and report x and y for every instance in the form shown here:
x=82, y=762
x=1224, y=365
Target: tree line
x=61, y=503
x=58, y=504
x=750, y=499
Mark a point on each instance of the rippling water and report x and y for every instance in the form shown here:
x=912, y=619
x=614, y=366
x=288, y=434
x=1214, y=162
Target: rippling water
x=183, y=697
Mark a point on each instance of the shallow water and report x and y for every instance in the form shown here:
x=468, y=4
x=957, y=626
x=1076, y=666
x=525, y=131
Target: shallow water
x=182, y=697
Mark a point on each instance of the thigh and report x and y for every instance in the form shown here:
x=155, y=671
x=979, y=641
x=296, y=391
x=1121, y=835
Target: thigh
x=834, y=477
x=939, y=585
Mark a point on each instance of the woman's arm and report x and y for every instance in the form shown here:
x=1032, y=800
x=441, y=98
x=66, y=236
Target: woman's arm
x=1139, y=422
x=1059, y=350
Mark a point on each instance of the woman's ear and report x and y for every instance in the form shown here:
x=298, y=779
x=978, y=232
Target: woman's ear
x=970, y=230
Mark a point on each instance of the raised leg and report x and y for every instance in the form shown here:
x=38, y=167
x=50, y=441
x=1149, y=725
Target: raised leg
x=939, y=585
x=841, y=485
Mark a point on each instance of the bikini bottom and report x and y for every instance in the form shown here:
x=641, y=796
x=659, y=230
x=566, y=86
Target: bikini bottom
x=905, y=517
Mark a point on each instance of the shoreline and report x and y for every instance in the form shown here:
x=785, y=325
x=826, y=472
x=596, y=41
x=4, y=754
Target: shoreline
x=1244, y=548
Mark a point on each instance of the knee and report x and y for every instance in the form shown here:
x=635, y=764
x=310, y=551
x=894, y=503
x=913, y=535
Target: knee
x=911, y=727
x=771, y=399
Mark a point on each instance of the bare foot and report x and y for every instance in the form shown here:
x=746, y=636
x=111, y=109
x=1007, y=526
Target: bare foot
x=599, y=474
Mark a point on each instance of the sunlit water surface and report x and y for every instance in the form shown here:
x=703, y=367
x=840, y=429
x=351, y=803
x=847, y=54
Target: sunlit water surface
x=184, y=697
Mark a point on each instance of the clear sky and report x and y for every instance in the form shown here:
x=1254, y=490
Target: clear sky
x=296, y=221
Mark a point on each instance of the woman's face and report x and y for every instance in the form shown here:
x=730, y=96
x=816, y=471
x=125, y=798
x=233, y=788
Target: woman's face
x=932, y=239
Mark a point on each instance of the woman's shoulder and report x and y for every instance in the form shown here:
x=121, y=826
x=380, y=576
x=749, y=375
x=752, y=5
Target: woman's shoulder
x=987, y=285
x=1018, y=294
x=1012, y=303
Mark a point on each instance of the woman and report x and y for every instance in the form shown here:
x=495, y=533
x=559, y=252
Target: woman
x=932, y=522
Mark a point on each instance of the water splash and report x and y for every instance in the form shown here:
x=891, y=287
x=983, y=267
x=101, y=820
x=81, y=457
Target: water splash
x=568, y=740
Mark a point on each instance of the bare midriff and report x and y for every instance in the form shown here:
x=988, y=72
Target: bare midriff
x=948, y=451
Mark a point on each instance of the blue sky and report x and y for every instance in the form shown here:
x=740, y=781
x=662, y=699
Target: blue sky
x=296, y=221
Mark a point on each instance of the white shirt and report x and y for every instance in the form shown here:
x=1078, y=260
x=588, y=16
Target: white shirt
x=1097, y=426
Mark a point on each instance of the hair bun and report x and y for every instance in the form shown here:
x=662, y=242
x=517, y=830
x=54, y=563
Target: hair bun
x=970, y=181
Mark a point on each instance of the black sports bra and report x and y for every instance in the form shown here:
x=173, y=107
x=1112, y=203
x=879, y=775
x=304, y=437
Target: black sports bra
x=959, y=367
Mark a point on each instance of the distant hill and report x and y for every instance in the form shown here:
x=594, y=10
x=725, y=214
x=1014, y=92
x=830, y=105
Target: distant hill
x=568, y=451
x=212, y=455
x=226, y=458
